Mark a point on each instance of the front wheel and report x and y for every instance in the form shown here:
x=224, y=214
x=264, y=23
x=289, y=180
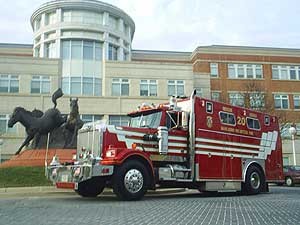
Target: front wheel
x=130, y=181
x=254, y=181
x=90, y=188
x=289, y=181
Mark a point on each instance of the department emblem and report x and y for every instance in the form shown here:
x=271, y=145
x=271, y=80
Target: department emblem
x=209, y=121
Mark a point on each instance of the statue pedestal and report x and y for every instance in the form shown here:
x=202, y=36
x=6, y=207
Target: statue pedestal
x=34, y=157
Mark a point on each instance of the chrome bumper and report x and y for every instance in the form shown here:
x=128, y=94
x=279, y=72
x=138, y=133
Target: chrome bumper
x=77, y=173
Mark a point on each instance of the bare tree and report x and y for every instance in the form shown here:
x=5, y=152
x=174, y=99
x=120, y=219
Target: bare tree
x=258, y=98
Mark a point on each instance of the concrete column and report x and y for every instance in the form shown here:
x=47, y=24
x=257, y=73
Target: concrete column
x=121, y=50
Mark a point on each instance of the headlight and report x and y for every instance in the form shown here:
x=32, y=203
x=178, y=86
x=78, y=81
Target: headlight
x=77, y=172
x=54, y=173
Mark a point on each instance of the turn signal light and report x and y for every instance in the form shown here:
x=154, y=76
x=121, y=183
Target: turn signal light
x=133, y=146
x=111, y=153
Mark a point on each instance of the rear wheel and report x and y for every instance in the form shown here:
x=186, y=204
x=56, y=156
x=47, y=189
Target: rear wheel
x=289, y=181
x=130, y=181
x=254, y=181
x=90, y=188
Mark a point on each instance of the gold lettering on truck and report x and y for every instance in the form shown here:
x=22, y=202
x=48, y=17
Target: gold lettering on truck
x=226, y=109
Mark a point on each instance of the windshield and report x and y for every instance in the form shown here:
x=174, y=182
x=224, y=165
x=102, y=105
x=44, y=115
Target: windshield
x=150, y=120
x=297, y=168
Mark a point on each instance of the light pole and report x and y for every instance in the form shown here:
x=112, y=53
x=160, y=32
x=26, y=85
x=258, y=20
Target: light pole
x=293, y=132
x=1, y=143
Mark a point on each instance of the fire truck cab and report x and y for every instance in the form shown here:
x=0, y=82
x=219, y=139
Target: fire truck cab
x=191, y=142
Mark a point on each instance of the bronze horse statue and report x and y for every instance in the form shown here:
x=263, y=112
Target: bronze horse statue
x=36, y=126
x=73, y=124
x=37, y=123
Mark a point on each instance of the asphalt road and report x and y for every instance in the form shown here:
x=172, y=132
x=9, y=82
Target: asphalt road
x=280, y=206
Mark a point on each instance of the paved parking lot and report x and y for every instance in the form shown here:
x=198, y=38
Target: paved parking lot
x=280, y=206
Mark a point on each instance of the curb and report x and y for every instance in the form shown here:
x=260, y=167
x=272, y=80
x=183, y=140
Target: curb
x=52, y=189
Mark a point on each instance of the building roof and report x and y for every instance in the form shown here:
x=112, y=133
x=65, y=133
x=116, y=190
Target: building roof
x=11, y=49
x=246, y=50
x=154, y=55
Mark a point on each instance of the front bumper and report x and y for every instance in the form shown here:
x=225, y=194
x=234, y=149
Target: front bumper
x=68, y=176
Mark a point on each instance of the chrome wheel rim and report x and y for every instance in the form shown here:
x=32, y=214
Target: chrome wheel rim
x=289, y=181
x=133, y=181
x=255, y=180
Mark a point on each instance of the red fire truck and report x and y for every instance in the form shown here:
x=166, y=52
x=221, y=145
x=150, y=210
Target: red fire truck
x=192, y=143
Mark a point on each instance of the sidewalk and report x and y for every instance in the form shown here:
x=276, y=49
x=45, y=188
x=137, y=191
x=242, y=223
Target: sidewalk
x=52, y=189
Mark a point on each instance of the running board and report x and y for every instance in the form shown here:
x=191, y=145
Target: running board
x=220, y=186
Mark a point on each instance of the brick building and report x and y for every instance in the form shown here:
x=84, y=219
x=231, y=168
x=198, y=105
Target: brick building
x=84, y=47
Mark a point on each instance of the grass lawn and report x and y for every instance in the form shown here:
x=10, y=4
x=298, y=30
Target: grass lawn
x=23, y=177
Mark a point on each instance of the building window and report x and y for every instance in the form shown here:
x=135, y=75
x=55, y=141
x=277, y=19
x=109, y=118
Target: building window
x=215, y=96
x=40, y=84
x=236, y=99
x=9, y=83
x=214, y=70
x=199, y=91
x=113, y=22
x=126, y=56
x=120, y=87
x=281, y=101
x=3, y=125
x=148, y=88
x=285, y=161
x=89, y=86
x=296, y=101
x=87, y=50
x=280, y=72
x=37, y=52
x=37, y=24
x=257, y=100
x=119, y=120
x=175, y=88
x=245, y=71
x=51, y=18
x=50, y=50
x=91, y=118
x=112, y=52
x=82, y=16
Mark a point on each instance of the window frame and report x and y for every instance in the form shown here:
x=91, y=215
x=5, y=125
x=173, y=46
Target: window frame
x=10, y=79
x=8, y=130
x=214, y=67
x=280, y=97
x=41, y=79
x=253, y=119
x=278, y=69
x=240, y=71
x=237, y=98
x=149, y=84
x=296, y=98
x=67, y=82
x=121, y=82
x=226, y=122
x=176, y=84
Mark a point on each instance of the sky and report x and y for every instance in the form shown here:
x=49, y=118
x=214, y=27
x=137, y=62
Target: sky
x=182, y=25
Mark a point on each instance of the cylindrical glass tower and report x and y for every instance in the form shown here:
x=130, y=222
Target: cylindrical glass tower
x=83, y=33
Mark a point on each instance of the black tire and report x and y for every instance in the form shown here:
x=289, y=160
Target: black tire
x=289, y=182
x=90, y=188
x=254, y=181
x=131, y=180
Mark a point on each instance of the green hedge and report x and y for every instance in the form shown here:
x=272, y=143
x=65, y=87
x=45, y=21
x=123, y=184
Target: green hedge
x=23, y=177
